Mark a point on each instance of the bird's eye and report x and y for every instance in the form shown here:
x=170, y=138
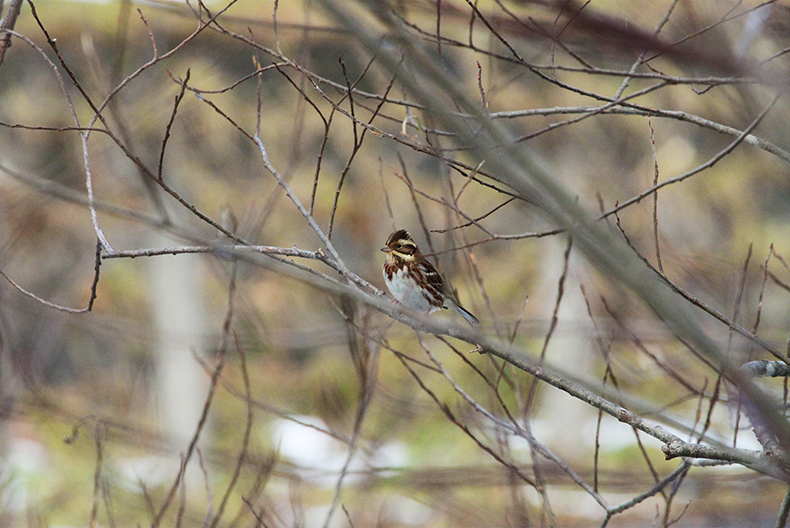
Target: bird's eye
x=398, y=246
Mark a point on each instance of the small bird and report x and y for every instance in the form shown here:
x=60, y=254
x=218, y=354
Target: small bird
x=413, y=280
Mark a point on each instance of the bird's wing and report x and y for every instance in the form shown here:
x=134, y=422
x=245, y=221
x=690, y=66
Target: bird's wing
x=432, y=276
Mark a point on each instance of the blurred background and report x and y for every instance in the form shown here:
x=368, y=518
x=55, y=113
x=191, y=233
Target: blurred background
x=325, y=412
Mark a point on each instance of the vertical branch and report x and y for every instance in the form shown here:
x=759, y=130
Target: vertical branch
x=320, y=158
x=439, y=29
x=698, y=412
x=735, y=317
x=192, y=444
x=366, y=364
x=762, y=291
x=390, y=214
x=781, y=520
x=641, y=59
x=597, y=450
x=655, y=195
x=357, y=143
x=523, y=432
x=554, y=320
x=519, y=320
x=358, y=138
x=608, y=374
x=472, y=17
x=258, y=97
x=122, y=44
x=227, y=333
x=404, y=175
x=754, y=416
x=483, y=100
x=209, y=488
x=8, y=23
x=176, y=103
x=82, y=133
x=97, y=475
x=646, y=458
x=327, y=124
x=274, y=23
x=327, y=243
x=223, y=346
x=107, y=499
x=91, y=199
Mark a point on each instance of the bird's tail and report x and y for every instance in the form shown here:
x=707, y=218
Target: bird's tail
x=471, y=319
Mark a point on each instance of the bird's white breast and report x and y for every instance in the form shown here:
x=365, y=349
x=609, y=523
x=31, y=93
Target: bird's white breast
x=406, y=291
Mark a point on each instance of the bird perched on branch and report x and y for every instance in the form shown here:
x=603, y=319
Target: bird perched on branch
x=413, y=280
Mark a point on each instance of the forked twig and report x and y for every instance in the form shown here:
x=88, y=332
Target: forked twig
x=48, y=304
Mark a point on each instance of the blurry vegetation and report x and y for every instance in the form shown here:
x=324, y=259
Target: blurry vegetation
x=324, y=405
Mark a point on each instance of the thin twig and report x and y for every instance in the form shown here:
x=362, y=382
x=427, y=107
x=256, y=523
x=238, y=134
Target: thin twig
x=177, y=102
x=515, y=428
x=227, y=333
x=677, y=473
x=367, y=380
x=220, y=363
x=48, y=304
x=708, y=164
x=357, y=138
x=554, y=320
x=659, y=264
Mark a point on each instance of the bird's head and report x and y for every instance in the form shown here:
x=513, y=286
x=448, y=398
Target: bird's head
x=400, y=246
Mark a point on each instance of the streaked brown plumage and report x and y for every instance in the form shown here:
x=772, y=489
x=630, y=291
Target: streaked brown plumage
x=413, y=280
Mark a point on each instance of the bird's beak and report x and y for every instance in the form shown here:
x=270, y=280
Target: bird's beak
x=386, y=249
